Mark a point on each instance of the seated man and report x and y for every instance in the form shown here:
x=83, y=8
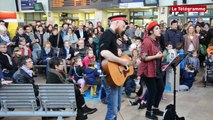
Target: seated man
x=6, y=61
x=57, y=75
x=24, y=75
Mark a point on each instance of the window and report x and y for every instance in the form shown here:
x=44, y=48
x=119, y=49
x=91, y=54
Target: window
x=30, y=17
x=192, y=13
x=148, y=13
x=113, y=13
x=90, y=17
x=138, y=13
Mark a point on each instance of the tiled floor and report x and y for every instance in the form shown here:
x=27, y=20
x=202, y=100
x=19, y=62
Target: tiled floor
x=196, y=104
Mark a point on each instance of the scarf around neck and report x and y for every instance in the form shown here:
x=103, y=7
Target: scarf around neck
x=61, y=77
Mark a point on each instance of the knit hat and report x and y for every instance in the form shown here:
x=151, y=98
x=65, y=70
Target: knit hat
x=210, y=50
x=151, y=25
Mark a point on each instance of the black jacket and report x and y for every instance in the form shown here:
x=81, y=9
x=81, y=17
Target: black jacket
x=5, y=62
x=86, y=36
x=63, y=53
x=53, y=40
x=21, y=77
x=54, y=77
x=16, y=39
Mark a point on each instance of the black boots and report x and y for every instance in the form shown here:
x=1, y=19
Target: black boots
x=151, y=116
x=86, y=110
x=157, y=112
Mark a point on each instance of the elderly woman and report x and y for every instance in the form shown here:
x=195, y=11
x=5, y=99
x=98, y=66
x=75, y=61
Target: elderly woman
x=4, y=38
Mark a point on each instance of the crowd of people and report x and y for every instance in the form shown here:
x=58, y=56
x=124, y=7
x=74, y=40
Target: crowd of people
x=83, y=47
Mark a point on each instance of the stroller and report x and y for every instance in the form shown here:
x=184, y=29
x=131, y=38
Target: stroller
x=208, y=76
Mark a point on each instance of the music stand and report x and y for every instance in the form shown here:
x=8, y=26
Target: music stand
x=172, y=65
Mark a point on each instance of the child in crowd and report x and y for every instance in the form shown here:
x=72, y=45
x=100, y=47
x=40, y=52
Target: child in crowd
x=138, y=42
x=209, y=61
x=91, y=44
x=137, y=61
x=89, y=58
x=92, y=78
x=17, y=53
x=166, y=53
x=77, y=72
x=187, y=78
x=193, y=60
x=25, y=49
x=180, y=51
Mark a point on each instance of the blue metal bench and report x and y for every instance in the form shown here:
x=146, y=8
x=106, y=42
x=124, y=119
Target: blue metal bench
x=21, y=97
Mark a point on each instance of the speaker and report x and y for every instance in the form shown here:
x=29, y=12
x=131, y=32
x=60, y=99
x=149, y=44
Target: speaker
x=184, y=1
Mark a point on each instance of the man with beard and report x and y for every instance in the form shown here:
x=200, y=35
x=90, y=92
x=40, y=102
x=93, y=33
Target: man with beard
x=108, y=51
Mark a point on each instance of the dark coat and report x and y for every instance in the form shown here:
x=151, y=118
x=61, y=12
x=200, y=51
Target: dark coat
x=82, y=52
x=1, y=74
x=60, y=78
x=54, y=77
x=63, y=53
x=44, y=56
x=21, y=77
x=5, y=62
x=86, y=36
x=91, y=76
x=16, y=39
x=53, y=40
x=77, y=72
x=93, y=46
x=188, y=78
x=173, y=36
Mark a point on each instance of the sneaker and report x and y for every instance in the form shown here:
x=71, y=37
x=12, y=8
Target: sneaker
x=104, y=101
x=132, y=96
x=132, y=103
x=151, y=116
x=158, y=112
x=86, y=110
x=142, y=105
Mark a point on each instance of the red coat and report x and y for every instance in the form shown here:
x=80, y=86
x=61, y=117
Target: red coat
x=87, y=60
x=148, y=68
x=29, y=52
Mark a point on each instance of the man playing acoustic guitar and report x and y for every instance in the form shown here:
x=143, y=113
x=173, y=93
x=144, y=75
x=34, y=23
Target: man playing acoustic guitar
x=108, y=51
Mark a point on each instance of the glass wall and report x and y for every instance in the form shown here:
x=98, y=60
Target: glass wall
x=90, y=17
x=141, y=18
x=29, y=18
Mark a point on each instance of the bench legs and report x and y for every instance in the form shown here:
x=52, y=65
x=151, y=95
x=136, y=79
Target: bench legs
x=60, y=118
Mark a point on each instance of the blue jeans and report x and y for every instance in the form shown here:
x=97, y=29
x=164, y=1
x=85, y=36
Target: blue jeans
x=36, y=52
x=113, y=98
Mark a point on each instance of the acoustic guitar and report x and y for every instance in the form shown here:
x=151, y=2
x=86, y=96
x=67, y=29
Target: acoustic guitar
x=116, y=74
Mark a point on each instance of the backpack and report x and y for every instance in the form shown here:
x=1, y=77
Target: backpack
x=202, y=50
x=170, y=113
